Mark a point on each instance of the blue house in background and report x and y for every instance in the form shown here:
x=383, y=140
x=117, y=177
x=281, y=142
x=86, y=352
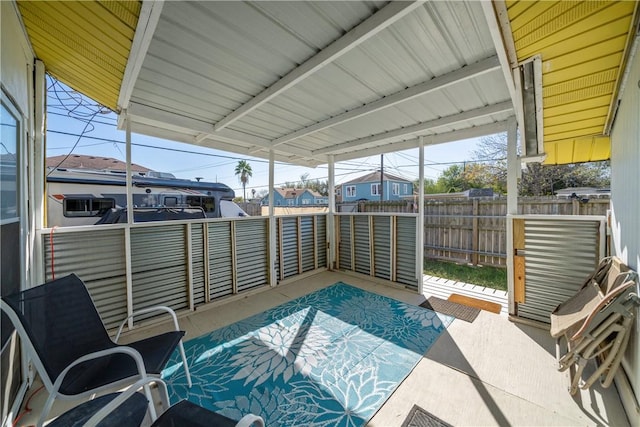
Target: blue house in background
x=296, y=197
x=368, y=188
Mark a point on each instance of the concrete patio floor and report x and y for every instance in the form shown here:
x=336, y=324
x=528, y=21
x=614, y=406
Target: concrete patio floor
x=489, y=372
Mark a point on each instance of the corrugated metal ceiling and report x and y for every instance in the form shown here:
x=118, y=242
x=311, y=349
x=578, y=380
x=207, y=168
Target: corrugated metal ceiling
x=582, y=45
x=208, y=61
x=84, y=44
x=348, y=79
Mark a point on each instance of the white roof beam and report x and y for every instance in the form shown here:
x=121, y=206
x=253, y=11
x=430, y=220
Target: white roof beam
x=419, y=128
x=500, y=30
x=457, y=135
x=359, y=34
x=146, y=27
x=424, y=88
x=151, y=130
x=177, y=123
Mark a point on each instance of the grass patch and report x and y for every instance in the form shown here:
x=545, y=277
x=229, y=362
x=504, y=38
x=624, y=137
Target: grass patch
x=490, y=277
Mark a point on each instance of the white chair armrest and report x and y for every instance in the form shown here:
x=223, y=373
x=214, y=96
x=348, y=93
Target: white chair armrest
x=135, y=355
x=164, y=308
x=250, y=420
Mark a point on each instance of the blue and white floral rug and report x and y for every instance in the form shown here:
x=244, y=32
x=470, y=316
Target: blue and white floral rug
x=330, y=358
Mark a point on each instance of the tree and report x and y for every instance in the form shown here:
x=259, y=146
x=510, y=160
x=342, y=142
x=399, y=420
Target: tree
x=452, y=180
x=321, y=187
x=537, y=179
x=430, y=186
x=243, y=172
x=482, y=175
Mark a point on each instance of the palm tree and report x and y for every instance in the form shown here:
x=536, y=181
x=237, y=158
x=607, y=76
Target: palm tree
x=244, y=172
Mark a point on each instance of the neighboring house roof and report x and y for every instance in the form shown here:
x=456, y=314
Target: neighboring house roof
x=291, y=193
x=80, y=161
x=375, y=177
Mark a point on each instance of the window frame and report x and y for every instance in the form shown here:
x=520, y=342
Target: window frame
x=350, y=191
x=90, y=212
x=13, y=112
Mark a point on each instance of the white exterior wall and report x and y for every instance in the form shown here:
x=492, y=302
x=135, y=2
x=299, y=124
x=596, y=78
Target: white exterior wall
x=16, y=78
x=17, y=58
x=625, y=209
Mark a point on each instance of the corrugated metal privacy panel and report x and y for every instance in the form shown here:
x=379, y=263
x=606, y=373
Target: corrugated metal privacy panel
x=252, y=255
x=197, y=263
x=406, y=251
x=159, y=267
x=362, y=252
x=307, y=243
x=98, y=258
x=344, y=246
x=290, y=264
x=382, y=246
x=559, y=255
x=321, y=240
x=220, y=259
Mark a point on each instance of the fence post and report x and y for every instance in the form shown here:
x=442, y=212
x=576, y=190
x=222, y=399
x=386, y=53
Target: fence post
x=475, y=234
x=575, y=207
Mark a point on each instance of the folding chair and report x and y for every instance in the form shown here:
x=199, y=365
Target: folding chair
x=70, y=348
x=595, y=324
x=130, y=408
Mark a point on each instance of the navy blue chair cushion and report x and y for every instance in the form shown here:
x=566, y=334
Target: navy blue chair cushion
x=130, y=413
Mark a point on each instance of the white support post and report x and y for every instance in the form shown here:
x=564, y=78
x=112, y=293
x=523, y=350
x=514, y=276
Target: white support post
x=37, y=174
x=273, y=280
x=420, y=219
x=189, y=244
x=127, y=229
x=513, y=165
x=331, y=229
x=129, y=178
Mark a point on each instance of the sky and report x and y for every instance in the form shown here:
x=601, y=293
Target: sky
x=77, y=125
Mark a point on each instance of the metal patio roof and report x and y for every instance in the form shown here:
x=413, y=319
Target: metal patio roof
x=314, y=81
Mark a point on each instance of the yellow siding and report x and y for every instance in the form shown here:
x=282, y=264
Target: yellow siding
x=583, y=46
x=559, y=119
x=553, y=132
x=84, y=44
x=576, y=150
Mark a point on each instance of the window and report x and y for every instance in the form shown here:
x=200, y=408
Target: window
x=375, y=189
x=8, y=165
x=396, y=189
x=170, y=201
x=351, y=191
x=87, y=206
x=290, y=202
x=406, y=189
x=306, y=201
x=11, y=134
x=208, y=204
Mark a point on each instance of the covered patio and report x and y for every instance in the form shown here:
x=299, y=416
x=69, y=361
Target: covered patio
x=313, y=83
x=489, y=372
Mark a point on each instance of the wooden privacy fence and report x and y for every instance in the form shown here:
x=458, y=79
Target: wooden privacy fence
x=474, y=230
